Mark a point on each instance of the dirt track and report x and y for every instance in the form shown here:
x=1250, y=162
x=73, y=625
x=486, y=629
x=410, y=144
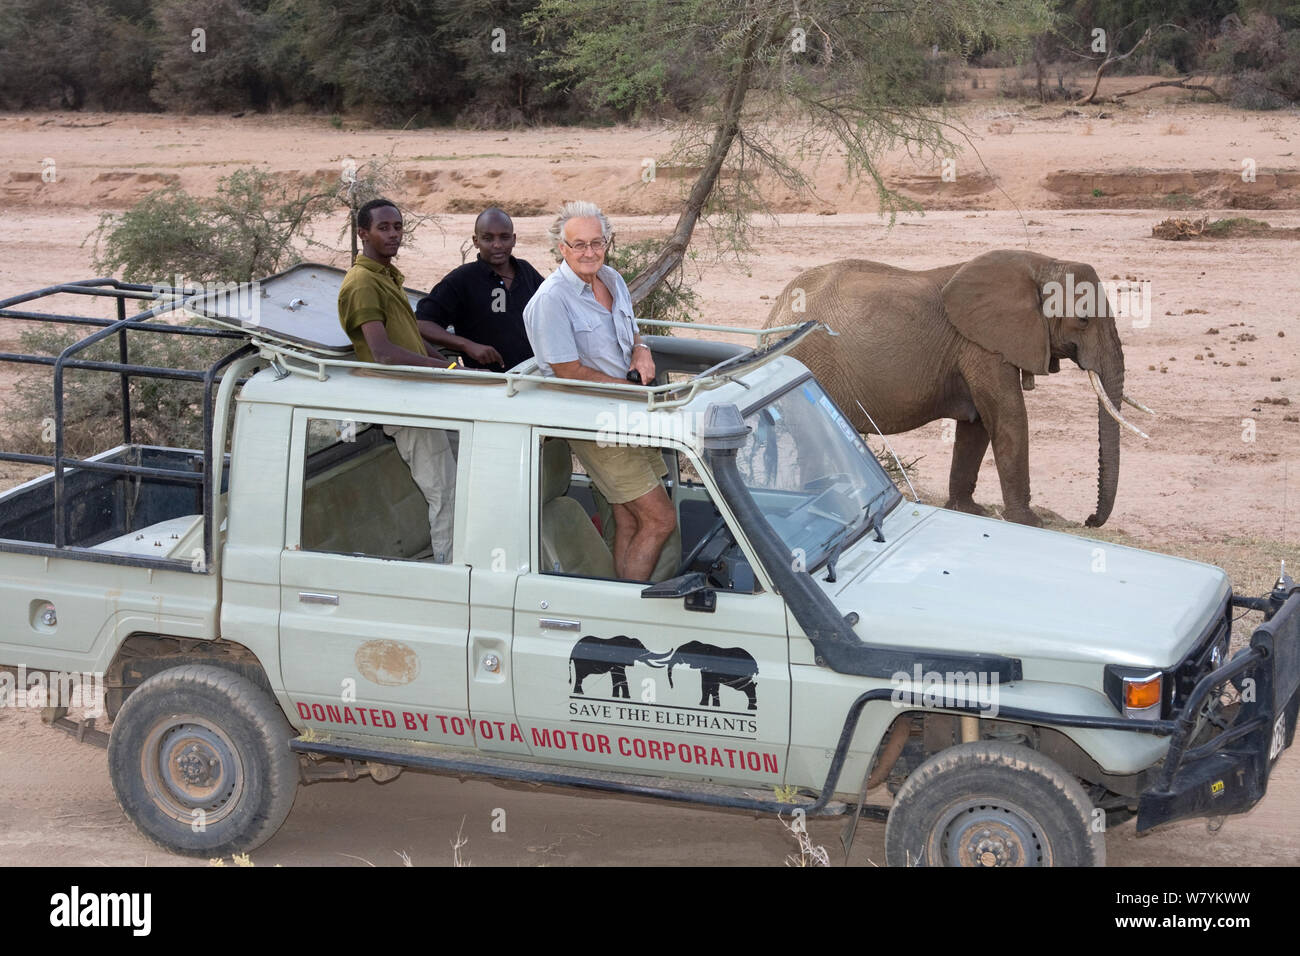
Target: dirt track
x=1196, y=488
x=58, y=809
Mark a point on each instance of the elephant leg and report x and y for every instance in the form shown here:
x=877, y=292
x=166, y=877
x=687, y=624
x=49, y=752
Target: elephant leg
x=619, y=676
x=967, y=456
x=1001, y=406
x=578, y=675
x=751, y=691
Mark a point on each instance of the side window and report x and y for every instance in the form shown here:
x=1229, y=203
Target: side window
x=578, y=526
x=385, y=491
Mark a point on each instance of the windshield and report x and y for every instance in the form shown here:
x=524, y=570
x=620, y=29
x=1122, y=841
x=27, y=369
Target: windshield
x=811, y=474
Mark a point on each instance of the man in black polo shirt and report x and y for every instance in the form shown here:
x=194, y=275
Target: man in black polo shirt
x=484, y=300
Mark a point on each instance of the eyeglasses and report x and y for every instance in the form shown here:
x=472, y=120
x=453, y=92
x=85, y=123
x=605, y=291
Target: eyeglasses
x=596, y=245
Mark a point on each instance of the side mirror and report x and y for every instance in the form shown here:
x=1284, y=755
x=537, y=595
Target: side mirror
x=693, y=588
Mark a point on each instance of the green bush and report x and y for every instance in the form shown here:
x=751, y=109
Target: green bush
x=223, y=67
x=672, y=301
x=1264, y=61
x=163, y=412
x=247, y=230
x=75, y=54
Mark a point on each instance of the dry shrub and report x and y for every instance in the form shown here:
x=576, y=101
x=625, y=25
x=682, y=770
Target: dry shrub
x=163, y=412
x=1178, y=229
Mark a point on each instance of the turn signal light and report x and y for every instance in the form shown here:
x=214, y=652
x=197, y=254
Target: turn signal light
x=1142, y=694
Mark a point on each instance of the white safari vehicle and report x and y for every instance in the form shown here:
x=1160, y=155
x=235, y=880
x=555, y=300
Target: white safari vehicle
x=264, y=612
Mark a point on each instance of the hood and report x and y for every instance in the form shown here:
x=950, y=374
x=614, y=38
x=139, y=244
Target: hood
x=960, y=582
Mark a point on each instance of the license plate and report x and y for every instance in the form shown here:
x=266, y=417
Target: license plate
x=1279, y=737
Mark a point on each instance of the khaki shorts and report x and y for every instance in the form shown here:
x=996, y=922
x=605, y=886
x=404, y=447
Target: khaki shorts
x=623, y=473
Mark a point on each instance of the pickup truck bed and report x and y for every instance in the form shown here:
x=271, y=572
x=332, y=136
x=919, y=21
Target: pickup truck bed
x=102, y=507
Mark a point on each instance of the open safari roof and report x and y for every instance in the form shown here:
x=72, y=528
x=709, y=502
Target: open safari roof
x=293, y=318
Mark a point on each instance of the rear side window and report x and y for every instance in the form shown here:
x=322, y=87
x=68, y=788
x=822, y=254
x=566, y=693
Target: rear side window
x=377, y=490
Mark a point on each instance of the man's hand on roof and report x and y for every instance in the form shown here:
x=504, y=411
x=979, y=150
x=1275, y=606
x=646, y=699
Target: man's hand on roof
x=484, y=354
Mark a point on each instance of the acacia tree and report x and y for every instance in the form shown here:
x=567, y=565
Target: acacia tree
x=784, y=81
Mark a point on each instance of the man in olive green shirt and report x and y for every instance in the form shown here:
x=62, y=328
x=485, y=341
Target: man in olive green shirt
x=376, y=314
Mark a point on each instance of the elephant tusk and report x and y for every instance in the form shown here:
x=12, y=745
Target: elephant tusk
x=1095, y=379
x=660, y=660
x=1138, y=405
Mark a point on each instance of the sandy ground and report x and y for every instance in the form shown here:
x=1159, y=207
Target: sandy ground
x=57, y=807
x=1086, y=186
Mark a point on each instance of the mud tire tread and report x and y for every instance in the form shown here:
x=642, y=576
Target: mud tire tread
x=1055, y=798
x=256, y=726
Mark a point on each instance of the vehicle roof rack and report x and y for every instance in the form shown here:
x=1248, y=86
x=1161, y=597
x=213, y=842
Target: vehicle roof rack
x=292, y=317
x=290, y=320
x=168, y=299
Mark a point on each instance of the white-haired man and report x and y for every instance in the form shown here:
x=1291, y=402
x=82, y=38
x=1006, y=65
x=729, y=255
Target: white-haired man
x=580, y=324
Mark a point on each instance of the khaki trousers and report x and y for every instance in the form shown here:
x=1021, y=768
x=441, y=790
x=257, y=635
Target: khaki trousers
x=427, y=453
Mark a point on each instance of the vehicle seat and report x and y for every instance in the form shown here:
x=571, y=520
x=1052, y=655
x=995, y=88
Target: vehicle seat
x=369, y=504
x=570, y=542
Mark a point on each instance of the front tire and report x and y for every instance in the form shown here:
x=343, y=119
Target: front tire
x=200, y=761
x=990, y=804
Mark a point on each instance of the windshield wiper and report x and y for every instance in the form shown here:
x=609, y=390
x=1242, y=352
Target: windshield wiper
x=841, y=537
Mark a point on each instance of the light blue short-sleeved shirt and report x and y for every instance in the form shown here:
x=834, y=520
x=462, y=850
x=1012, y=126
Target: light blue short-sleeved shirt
x=565, y=323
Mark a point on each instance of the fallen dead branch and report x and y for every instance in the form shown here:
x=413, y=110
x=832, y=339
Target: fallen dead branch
x=1110, y=61
x=1182, y=84
x=1178, y=229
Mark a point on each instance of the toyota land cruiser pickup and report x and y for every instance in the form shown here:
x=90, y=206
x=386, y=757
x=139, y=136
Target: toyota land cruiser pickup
x=264, y=610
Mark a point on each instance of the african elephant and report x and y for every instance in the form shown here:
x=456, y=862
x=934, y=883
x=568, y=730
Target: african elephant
x=732, y=666
x=962, y=341
x=609, y=655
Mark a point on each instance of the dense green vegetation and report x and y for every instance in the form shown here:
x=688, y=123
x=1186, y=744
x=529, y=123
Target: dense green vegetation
x=499, y=62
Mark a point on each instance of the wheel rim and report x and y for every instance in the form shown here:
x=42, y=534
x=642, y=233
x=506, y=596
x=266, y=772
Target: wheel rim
x=192, y=770
x=989, y=834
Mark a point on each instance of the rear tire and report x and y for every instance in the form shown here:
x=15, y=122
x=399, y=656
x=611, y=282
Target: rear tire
x=200, y=761
x=991, y=804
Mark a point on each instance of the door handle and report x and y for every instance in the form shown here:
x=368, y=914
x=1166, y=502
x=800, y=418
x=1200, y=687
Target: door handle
x=317, y=597
x=559, y=624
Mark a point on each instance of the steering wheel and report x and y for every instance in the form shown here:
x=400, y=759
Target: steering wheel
x=688, y=563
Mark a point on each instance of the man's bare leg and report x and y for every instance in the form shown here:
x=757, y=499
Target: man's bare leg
x=643, y=525
x=625, y=529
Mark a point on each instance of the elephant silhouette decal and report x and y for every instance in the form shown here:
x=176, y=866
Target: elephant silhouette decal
x=732, y=666
x=609, y=655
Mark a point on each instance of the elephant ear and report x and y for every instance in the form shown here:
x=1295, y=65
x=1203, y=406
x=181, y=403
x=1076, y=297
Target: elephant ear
x=994, y=300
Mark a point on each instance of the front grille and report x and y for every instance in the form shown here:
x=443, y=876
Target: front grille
x=1209, y=653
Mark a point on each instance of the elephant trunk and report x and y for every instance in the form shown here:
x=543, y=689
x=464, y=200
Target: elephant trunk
x=653, y=659
x=1109, y=382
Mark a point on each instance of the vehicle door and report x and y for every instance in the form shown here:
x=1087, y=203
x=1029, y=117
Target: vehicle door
x=604, y=676
x=373, y=632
